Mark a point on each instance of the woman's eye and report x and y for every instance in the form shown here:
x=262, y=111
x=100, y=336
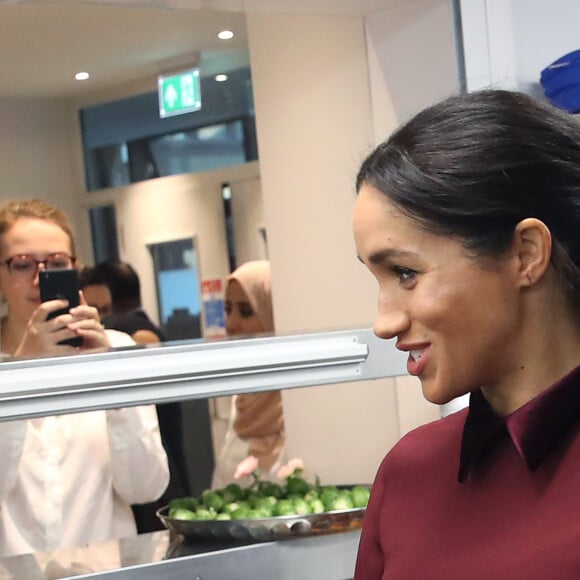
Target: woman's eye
x=246, y=311
x=404, y=275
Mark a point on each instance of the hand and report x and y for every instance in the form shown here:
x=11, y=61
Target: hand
x=86, y=323
x=43, y=335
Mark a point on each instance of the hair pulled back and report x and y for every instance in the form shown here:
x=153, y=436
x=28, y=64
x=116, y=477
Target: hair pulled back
x=474, y=165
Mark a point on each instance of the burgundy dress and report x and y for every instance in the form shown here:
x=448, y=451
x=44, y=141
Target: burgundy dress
x=476, y=495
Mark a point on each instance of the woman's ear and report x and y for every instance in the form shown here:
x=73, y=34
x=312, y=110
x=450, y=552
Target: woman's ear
x=532, y=245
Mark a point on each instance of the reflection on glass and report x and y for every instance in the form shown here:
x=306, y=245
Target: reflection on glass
x=178, y=288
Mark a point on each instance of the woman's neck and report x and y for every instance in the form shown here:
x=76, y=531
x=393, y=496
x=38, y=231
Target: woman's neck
x=12, y=333
x=548, y=349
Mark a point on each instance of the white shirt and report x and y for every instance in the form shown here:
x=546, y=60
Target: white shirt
x=71, y=479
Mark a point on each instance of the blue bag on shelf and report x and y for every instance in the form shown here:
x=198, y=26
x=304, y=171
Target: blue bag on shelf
x=561, y=82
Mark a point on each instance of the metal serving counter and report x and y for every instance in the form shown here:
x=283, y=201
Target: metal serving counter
x=189, y=370
x=158, y=555
x=181, y=371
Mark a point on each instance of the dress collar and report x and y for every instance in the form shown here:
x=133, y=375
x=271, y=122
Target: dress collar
x=535, y=428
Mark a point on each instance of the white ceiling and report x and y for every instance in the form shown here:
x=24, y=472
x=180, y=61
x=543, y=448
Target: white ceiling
x=43, y=43
x=43, y=46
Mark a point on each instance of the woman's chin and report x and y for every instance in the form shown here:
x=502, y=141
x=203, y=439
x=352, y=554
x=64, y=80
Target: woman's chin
x=435, y=395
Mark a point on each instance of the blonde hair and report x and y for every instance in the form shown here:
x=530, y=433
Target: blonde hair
x=12, y=211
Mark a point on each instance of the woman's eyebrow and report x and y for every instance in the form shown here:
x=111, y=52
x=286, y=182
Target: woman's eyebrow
x=388, y=253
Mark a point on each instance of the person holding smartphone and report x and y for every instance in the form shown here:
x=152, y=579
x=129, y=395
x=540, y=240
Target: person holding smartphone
x=67, y=480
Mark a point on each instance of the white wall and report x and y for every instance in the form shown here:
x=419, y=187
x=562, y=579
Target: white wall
x=405, y=76
x=314, y=125
x=509, y=42
x=175, y=207
x=248, y=218
x=36, y=153
x=321, y=101
x=411, y=60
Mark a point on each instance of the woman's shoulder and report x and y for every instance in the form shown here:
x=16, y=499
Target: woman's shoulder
x=436, y=440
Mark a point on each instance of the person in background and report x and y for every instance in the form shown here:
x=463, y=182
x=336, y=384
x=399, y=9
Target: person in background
x=96, y=291
x=127, y=311
x=468, y=217
x=257, y=420
x=66, y=480
x=127, y=315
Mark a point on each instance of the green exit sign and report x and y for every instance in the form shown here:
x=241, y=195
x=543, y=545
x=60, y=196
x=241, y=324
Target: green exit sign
x=179, y=93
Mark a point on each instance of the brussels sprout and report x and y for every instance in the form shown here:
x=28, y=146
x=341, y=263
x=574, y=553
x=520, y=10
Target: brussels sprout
x=227, y=495
x=242, y=513
x=253, y=515
x=342, y=501
x=301, y=506
x=269, y=488
x=182, y=514
x=229, y=508
x=264, y=511
x=312, y=495
x=189, y=503
x=234, y=489
x=328, y=495
x=205, y=514
x=296, y=485
x=212, y=500
x=360, y=495
x=254, y=498
x=284, y=507
x=316, y=506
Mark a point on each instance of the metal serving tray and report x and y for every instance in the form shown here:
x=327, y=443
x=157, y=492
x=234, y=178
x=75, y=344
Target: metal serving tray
x=266, y=529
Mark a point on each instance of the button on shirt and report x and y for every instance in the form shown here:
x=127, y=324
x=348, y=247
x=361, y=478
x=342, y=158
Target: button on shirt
x=479, y=496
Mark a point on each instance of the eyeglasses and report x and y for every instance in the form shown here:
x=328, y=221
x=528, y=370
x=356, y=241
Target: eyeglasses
x=25, y=267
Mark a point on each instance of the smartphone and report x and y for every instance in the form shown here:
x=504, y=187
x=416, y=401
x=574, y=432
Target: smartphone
x=61, y=285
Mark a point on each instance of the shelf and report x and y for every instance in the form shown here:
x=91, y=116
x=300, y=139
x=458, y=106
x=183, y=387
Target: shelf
x=189, y=370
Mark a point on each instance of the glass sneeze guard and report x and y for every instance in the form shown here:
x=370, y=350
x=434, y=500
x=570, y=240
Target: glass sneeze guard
x=180, y=371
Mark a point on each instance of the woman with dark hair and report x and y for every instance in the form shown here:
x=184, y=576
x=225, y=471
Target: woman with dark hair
x=468, y=216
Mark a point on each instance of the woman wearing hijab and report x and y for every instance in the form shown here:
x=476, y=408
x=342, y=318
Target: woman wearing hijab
x=256, y=422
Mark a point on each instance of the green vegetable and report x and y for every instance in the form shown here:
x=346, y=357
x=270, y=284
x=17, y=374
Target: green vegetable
x=265, y=499
x=295, y=484
x=269, y=488
x=212, y=500
x=231, y=492
x=229, y=508
x=182, y=514
x=204, y=514
x=360, y=495
x=316, y=506
x=301, y=506
x=284, y=507
x=189, y=503
x=242, y=513
x=342, y=501
x=328, y=496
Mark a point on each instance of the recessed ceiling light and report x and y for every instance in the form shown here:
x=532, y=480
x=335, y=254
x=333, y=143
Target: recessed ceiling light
x=225, y=35
x=82, y=76
x=221, y=78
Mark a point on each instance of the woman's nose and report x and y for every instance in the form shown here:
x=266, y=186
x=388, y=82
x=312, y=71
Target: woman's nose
x=390, y=321
x=232, y=324
x=39, y=266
